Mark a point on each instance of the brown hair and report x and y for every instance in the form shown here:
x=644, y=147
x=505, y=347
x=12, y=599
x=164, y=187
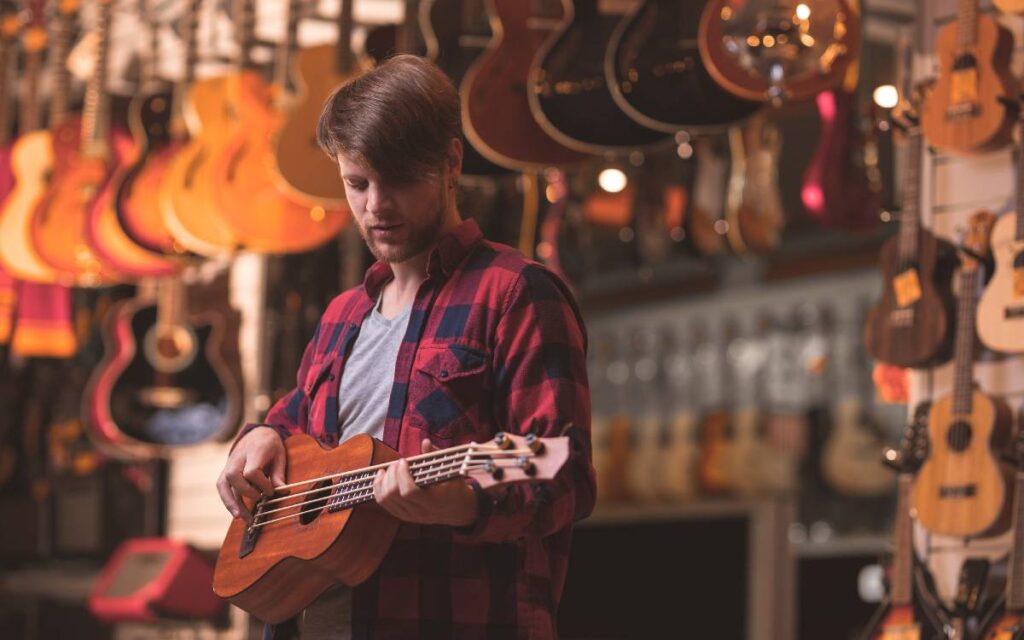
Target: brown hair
x=398, y=119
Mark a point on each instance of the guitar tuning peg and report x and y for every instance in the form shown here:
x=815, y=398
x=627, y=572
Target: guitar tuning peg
x=535, y=444
x=526, y=465
x=496, y=472
x=503, y=441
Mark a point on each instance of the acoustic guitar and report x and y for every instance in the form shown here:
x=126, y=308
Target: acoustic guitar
x=961, y=490
x=457, y=32
x=258, y=214
x=306, y=171
x=973, y=104
x=496, y=115
x=322, y=527
x=86, y=154
x=786, y=50
x=568, y=93
x=1001, y=308
x=655, y=73
x=1009, y=624
x=32, y=154
x=910, y=324
x=754, y=212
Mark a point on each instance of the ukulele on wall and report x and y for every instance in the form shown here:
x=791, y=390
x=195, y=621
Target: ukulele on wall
x=679, y=481
x=973, y=105
x=1009, y=625
x=910, y=324
x=961, y=489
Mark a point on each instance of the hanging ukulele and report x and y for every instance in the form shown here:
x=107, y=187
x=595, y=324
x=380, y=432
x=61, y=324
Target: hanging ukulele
x=1009, y=624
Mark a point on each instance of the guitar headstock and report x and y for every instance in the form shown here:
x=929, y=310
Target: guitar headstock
x=913, y=449
x=510, y=458
x=976, y=239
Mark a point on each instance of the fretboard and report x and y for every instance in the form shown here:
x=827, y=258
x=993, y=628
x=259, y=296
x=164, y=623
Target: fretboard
x=1019, y=213
x=967, y=23
x=963, y=381
x=910, y=212
x=94, y=117
x=903, y=553
x=358, y=488
x=58, y=56
x=344, y=61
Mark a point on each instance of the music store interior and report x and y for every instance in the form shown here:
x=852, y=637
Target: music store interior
x=794, y=229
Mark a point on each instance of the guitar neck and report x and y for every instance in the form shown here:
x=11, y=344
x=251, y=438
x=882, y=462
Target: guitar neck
x=6, y=54
x=967, y=24
x=409, y=36
x=94, y=125
x=1019, y=213
x=282, y=71
x=190, y=37
x=963, y=381
x=910, y=214
x=903, y=554
x=58, y=56
x=1015, y=580
x=344, y=60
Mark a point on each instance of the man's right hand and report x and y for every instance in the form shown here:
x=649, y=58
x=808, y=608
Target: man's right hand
x=255, y=466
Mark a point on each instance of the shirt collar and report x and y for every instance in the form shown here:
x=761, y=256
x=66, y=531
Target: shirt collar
x=443, y=258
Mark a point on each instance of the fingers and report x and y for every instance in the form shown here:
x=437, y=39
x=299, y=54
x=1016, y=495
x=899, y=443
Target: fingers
x=426, y=446
x=255, y=475
x=278, y=466
x=395, y=490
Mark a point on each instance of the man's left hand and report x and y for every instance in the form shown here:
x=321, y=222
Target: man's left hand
x=451, y=503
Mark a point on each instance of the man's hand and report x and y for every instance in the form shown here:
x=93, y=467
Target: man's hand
x=451, y=503
x=255, y=466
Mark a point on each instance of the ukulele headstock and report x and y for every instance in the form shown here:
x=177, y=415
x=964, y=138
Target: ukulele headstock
x=510, y=458
x=913, y=449
x=975, y=246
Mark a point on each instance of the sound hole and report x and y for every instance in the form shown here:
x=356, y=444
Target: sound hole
x=315, y=502
x=964, y=62
x=959, y=436
x=1018, y=260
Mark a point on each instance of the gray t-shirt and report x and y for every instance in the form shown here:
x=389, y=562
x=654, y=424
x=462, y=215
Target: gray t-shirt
x=363, y=396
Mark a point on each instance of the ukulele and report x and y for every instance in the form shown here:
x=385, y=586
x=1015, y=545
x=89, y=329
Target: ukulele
x=306, y=171
x=611, y=427
x=125, y=227
x=457, y=33
x=1009, y=624
x=715, y=429
x=705, y=222
x=496, y=115
x=646, y=467
x=1001, y=306
x=655, y=73
x=32, y=153
x=568, y=93
x=746, y=355
x=896, y=618
x=780, y=50
x=164, y=380
x=1010, y=6
x=86, y=154
x=185, y=193
x=910, y=324
x=973, y=105
x=960, y=490
x=753, y=211
x=259, y=216
x=322, y=526
x=679, y=480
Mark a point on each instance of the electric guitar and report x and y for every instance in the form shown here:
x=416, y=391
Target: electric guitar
x=10, y=28
x=705, y=223
x=961, y=489
x=973, y=104
x=753, y=212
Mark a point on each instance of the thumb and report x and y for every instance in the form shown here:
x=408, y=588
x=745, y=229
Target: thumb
x=426, y=446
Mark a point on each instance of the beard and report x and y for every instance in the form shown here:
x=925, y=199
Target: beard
x=420, y=235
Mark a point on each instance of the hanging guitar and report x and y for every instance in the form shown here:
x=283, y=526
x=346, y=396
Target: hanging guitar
x=754, y=213
x=322, y=527
x=10, y=28
x=961, y=489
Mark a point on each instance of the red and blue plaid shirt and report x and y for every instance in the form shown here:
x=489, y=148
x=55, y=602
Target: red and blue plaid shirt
x=495, y=343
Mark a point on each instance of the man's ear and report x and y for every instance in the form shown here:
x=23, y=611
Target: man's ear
x=455, y=156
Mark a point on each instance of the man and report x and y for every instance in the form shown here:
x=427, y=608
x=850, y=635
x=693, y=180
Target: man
x=450, y=339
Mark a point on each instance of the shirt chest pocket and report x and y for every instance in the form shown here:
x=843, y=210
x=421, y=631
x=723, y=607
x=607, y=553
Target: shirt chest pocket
x=448, y=391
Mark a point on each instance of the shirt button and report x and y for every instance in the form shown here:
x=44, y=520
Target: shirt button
x=444, y=373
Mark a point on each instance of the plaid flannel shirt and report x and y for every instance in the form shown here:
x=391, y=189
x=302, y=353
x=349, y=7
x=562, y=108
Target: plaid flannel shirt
x=495, y=343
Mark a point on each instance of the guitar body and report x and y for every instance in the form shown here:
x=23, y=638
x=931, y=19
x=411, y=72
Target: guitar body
x=445, y=46
x=1010, y=6
x=708, y=202
x=496, y=113
x=32, y=163
x=59, y=224
x=185, y=195
x=654, y=71
x=244, y=190
x=851, y=462
x=966, y=111
x=165, y=385
x=836, y=189
x=755, y=225
x=1009, y=626
x=679, y=481
x=1001, y=306
x=747, y=451
x=306, y=171
x=647, y=460
x=715, y=453
x=916, y=334
x=569, y=95
x=898, y=624
x=961, y=489
x=293, y=563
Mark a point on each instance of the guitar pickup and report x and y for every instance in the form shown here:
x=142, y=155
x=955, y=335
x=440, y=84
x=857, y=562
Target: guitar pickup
x=961, y=491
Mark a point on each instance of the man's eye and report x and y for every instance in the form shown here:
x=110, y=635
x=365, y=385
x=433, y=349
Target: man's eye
x=357, y=185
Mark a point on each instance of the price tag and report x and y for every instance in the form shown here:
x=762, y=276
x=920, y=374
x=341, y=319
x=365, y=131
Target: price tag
x=907, y=287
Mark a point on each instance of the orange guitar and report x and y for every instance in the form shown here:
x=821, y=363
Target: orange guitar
x=961, y=489
x=972, y=107
x=86, y=155
x=244, y=187
x=323, y=528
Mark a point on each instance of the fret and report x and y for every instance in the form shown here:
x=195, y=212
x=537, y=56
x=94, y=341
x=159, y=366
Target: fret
x=28, y=112
x=344, y=60
x=94, y=125
x=1015, y=579
x=910, y=214
x=65, y=25
x=963, y=381
x=903, y=557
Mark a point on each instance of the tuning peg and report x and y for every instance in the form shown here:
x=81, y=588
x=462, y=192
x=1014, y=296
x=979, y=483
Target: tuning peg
x=536, y=444
x=503, y=441
x=526, y=465
x=496, y=472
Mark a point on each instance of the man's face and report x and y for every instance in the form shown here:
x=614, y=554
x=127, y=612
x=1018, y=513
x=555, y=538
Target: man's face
x=398, y=222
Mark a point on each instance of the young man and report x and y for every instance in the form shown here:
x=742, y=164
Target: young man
x=450, y=339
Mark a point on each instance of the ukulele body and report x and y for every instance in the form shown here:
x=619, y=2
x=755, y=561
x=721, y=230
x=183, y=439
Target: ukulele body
x=961, y=488
x=1001, y=306
x=916, y=334
x=32, y=163
x=292, y=563
x=967, y=110
x=898, y=624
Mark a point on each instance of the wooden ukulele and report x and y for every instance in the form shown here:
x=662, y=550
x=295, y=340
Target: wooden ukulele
x=165, y=379
x=1009, y=624
x=775, y=50
x=32, y=153
x=306, y=171
x=185, y=194
x=705, y=221
x=86, y=154
x=910, y=324
x=647, y=460
x=258, y=214
x=747, y=355
x=322, y=526
x=611, y=426
x=679, y=481
x=457, y=33
x=1010, y=6
x=496, y=113
x=961, y=489
x=1001, y=307
x=568, y=93
x=655, y=73
x=973, y=105
x=753, y=212
x=715, y=431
